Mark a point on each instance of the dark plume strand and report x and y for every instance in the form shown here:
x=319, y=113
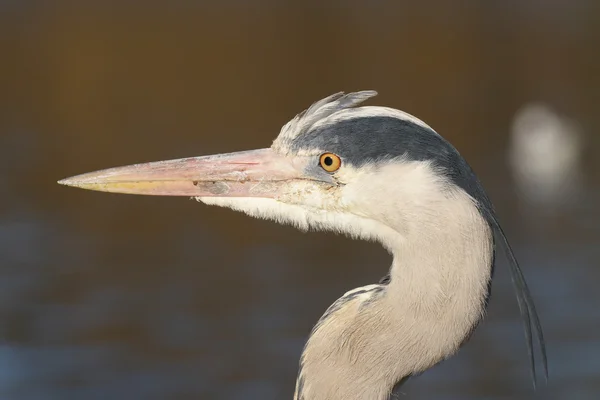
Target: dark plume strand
x=526, y=305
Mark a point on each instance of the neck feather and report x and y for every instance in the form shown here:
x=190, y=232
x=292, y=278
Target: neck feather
x=439, y=284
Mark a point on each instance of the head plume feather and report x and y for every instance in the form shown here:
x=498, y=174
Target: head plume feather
x=319, y=110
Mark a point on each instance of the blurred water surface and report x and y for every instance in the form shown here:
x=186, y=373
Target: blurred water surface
x=108, y=296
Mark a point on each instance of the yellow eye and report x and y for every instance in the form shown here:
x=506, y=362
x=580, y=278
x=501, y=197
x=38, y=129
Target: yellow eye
x=330, y=162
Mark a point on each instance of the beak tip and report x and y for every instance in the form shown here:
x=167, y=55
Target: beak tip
x=70, y=182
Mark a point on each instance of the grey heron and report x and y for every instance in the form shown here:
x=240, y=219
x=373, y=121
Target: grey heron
x=372, y=173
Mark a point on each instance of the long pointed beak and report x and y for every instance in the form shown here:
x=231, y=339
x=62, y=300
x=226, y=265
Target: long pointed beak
x=254, y=173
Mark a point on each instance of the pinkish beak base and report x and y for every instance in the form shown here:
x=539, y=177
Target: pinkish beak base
x=253, y=173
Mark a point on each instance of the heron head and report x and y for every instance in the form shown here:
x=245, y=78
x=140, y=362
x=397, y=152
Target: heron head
x=335, y=166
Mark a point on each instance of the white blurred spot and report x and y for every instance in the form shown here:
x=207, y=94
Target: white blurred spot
x=544, y=155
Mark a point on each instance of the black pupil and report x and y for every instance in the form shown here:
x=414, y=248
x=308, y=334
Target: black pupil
x=328, y=161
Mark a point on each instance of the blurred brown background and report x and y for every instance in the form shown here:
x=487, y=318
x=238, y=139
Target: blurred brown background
x=124, y=297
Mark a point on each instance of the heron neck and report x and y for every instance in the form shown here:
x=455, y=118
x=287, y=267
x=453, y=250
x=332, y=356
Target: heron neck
x=440, y=281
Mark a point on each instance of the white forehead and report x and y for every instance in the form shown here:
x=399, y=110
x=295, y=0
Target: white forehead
x=369, y=111
x=336, y=108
